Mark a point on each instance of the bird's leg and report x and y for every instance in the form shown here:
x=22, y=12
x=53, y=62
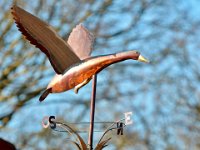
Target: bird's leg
x=76, y=88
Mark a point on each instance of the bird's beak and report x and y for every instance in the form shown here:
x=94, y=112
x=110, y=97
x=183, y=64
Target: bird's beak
x=142, y=59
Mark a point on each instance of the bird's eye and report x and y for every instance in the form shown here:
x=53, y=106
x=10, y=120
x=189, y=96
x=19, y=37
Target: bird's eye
x=137, y=52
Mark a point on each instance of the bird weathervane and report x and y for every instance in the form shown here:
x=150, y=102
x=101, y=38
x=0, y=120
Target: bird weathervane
x=71, y=60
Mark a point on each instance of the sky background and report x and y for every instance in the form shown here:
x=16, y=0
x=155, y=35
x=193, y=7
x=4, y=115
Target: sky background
x=163, y=95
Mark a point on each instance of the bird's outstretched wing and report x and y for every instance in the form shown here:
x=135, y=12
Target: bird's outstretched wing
x=85, y=41
x=44, y=37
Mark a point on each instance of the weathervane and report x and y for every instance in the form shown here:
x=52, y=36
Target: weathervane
x=71, y=60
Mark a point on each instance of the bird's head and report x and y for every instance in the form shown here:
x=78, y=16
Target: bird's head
x=135, y=55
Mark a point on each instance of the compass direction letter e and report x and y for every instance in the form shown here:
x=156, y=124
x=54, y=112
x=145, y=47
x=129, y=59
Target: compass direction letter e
x=128, y=119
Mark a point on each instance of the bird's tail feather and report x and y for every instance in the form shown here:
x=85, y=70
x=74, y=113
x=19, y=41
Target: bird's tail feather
x=45, y=94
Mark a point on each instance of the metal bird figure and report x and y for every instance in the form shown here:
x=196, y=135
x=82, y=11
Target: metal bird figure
x=71, y=60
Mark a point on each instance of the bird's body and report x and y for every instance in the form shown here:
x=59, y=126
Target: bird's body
x=70, y=60
x=84, y=70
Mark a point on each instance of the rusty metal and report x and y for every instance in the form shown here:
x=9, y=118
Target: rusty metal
x=92, y=112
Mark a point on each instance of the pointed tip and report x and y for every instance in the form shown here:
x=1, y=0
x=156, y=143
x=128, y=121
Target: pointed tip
x=41, y=98
x=14, y=3
x=143, y=59
x=45, y=94
x=12, y=7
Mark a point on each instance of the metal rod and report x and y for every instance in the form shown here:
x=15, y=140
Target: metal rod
x=92, y=112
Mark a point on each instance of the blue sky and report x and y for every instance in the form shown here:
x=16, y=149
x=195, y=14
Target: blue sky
x=146, y=104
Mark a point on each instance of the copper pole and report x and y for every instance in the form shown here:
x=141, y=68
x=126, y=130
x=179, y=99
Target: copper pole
x=92, y=112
